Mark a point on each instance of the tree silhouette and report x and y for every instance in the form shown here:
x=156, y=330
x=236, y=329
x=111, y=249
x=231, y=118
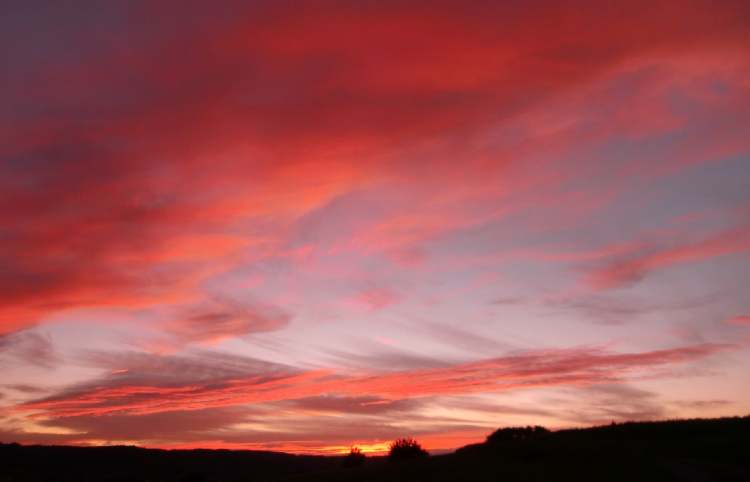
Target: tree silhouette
x=406, y=449
x=354, y=458
x=517, y=433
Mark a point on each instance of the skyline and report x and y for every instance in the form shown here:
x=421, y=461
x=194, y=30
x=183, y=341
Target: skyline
x=306, y=226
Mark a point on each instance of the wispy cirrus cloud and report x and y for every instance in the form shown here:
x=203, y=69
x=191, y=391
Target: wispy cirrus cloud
x=221, y=319
x=601, y=309
x=101, y=198
x=631, y=269
x=244, y=176
x=739, y=320
x=140, y=393
x=30, y=347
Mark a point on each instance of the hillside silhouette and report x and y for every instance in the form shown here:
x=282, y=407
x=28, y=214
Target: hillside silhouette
x=681, y=450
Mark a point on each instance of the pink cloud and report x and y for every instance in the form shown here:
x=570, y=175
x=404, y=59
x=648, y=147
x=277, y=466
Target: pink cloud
x=634, y=268
x=742, y=320
x=541, y=369
x=378, y=298
x=221, y=319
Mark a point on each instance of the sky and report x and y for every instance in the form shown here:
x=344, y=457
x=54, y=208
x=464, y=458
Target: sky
x=303, y=226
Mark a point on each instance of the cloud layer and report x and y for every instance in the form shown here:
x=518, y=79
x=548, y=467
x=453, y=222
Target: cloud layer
x=337, y=215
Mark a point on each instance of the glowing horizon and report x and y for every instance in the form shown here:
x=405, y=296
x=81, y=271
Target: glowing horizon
x=311, y=226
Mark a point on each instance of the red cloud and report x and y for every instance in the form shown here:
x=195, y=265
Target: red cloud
x=540, y=369
x=128, y=159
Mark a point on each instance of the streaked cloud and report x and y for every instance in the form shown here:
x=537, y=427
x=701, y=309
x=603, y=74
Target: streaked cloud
x=305, y=226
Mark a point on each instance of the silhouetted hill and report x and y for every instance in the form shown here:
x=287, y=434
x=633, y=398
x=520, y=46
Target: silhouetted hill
x=34, y=463
x=682, y=450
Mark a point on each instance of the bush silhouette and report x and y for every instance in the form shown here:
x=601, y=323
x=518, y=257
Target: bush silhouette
x=517, y=433
x=194, y=477
x=355, y=458
x=406, y=449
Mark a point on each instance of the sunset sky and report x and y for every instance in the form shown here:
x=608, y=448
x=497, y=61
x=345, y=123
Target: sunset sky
x=305, y=225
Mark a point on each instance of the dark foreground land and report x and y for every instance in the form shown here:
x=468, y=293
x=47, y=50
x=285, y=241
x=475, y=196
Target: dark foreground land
x=685, y=450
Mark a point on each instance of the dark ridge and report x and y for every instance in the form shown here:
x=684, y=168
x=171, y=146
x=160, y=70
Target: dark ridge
x=135, y=464
x=695, y=450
